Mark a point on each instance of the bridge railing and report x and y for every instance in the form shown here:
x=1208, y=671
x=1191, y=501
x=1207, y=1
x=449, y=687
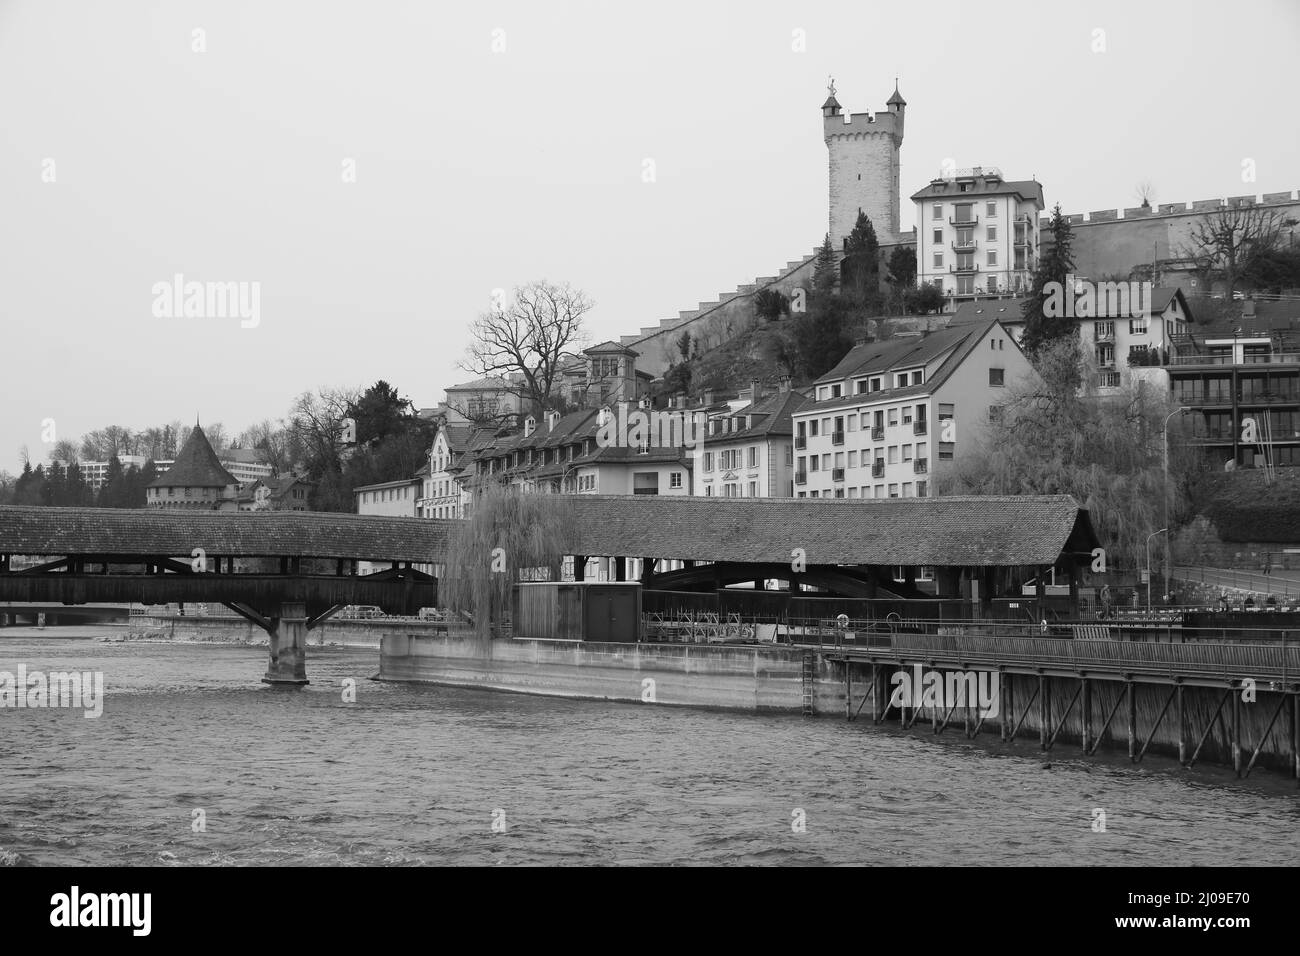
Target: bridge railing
x=1229, y=661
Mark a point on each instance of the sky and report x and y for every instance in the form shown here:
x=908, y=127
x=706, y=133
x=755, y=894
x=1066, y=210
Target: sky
x=379, y=168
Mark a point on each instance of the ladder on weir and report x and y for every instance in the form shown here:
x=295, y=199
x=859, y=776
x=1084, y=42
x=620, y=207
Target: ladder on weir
x=809, y=674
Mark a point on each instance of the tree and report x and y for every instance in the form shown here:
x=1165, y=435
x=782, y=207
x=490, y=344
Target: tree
x=529, y=338
x=684, y=345
x=1055, y=263
x=923, y=300
x=902, y=267
x=1106, y=451
x=770, y=304
x=820, y=337
x=272, y=440
x=1227, y=244
x=316, y=439
x=113, y=491
x=508, y=537
x=825, y=271
x=64, y=450
x=861, y=269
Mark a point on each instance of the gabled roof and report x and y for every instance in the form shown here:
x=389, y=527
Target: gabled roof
x=773, y=416
x=196, y=466
x=482, y=384
x=1012, y=310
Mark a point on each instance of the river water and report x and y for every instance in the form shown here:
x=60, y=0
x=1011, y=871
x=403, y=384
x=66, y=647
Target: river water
x=413, y=774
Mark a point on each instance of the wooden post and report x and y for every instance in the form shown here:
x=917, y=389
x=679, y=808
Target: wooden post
x=1008, y=703
x=848, y=689
x=1042, y=712
x=1132, y=720
x=1236, y=731
x=1087, y=712
x=1295, y=734
x=1182, y=728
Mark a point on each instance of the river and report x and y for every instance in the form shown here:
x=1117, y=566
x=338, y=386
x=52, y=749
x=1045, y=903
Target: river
x=413, y=774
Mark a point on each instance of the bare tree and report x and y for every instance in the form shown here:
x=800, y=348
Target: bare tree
x=528, y=337
x=1145, y=191
x=64, y=450
x=1223, y=244
x=272, y=439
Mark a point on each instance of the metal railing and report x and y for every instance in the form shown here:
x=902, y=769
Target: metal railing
x=878, y=469
x=837, y=438
x=919, y=427
x=837, y=474
x=921, y=466
x=878, y=433
x=801, y=477
x=801, y=442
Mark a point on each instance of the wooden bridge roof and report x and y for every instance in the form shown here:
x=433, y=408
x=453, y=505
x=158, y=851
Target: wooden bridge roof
x=953, y=532
x=144, y=532
x=957, y=531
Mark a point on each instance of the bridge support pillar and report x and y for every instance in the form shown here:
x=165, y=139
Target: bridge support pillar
x=288, y=633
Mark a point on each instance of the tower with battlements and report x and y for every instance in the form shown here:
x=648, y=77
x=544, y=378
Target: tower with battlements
x=863, y=157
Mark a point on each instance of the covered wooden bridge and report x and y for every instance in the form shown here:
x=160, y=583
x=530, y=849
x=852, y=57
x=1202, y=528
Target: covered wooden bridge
x=284, y=571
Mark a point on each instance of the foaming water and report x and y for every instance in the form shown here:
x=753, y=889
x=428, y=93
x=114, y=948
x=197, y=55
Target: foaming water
x=413, y=774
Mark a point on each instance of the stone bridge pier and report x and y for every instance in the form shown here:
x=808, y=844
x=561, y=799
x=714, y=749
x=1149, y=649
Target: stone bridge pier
x=288, y=634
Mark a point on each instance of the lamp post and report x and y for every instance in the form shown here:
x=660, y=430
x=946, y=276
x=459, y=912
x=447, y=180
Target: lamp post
x=1149, y=537
x=1165, y=434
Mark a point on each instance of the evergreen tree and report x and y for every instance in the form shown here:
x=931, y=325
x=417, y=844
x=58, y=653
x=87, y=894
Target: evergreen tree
x=22, y=494
x=862, y=263
x=1053, y=265
x=79, y=493
x=824, y=271
x=902, y=267
x=112, y=493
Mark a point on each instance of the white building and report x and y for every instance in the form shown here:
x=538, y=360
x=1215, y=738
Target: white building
x=94, y=472
x=749, y=452
x=1126, y=340
x=891, y=415
x=977, y=234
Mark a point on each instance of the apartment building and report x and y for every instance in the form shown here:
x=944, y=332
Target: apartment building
x=1135, y=330
x=892, y=415
x=748, y=451
x=977, y=234
x=1240, y=379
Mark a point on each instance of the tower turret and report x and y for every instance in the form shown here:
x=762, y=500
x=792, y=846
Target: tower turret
x=863, y=155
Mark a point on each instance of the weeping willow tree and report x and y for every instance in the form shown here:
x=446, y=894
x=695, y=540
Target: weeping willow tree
x=509, y=537
x=1058, y=436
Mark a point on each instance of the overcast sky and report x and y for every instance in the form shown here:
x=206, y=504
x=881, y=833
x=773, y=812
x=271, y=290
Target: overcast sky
x=477, y=170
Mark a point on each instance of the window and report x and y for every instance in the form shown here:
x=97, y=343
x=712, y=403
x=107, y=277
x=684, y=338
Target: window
x=991, y=210
x=853, y=423
x=993, y=257
x=880, y=491
x=835, y=391
x=936, y=211
x=826, y=462
x=992, y=233
x=918, y=377
x=900, y=381
x=907, y=453
x=993, y=283
x=965, y=285
x=859, y=386
x=753, y=456
x=853, y=459
x=893, y=416
x=753, y=489
x=853, y=492
x=938, y=260
x=839, y=459
x=812, y=428
x=965, y=212
x=675, y=480
x=893, y=454
x=1137, y=326
x=789, y=455
x=875, y=384
x=938, y=237
x=907, y=414
x=907, y=489
x=893, y=491
x=812, y=462
x=996, y=375
x=708, y=491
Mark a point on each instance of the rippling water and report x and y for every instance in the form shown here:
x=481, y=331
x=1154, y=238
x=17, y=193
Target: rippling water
x=414, y=775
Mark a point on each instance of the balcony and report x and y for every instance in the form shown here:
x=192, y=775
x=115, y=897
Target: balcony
x=969, y=223
x=837, y=474
x=800, y=442
x=921, y=466
x=919, y=427
x=878, y=433
x=878, y=469
x=837, y=438
x=1101, y=334
x=964, y=246
x=962, y=269
x=1108, y=380
x=1021, y=241
x=801, y=477
x=1268, y=398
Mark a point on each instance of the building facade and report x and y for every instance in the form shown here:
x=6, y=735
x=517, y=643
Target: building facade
x=749, y=450
x=196, y=480
x=892, y=416
x=977, y=234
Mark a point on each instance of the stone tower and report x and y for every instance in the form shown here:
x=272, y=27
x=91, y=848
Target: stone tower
x=864, y=167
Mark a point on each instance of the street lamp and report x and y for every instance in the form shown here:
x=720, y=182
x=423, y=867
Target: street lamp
x=1149, y=537
x=1165, y=433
